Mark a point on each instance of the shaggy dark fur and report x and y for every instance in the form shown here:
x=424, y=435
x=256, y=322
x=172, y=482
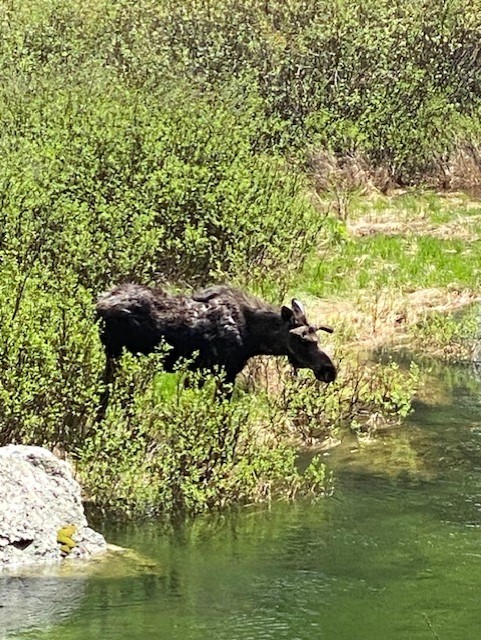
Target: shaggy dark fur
x=218, y=327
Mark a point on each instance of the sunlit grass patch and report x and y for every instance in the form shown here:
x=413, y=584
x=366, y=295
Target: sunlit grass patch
x=402, y=207
x=382, y=261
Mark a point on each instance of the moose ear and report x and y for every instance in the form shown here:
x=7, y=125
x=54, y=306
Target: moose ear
x=298, y=309
x=287, y=314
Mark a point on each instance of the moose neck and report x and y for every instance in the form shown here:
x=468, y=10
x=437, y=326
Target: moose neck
x=265, y=333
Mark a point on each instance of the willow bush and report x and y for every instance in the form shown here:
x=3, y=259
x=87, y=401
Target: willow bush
x=100, y=191
x=166, y=449
x=397, y=82
x=119, y=186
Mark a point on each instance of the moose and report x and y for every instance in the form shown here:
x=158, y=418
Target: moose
x=217, y=328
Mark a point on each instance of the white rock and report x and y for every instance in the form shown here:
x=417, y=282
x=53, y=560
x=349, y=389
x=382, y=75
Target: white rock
x=38, y=497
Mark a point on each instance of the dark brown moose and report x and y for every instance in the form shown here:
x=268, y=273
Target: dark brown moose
x=216, y=328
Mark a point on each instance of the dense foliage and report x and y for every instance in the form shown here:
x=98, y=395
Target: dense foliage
x=166, y=142
x=398, y=82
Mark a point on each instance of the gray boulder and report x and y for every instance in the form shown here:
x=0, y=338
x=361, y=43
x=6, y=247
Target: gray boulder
x=41, y=513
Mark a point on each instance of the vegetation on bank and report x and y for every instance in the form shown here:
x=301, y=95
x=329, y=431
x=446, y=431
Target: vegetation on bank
x=181, y=143
x=409, y=266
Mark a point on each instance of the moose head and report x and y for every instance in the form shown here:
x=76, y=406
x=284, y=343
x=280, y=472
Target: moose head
x=302, y=345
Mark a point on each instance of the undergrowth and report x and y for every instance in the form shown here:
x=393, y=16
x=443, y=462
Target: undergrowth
x=452, y=337
x=167, y=449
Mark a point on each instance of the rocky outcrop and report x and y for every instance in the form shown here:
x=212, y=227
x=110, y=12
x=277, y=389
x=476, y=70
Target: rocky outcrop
x=41, y=513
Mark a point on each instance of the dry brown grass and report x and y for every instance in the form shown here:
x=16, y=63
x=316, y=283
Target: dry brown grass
x=385, y=318
x=388, y=223
x=461, y=170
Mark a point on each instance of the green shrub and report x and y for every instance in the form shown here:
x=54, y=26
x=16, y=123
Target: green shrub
x=117, y=189
x=397, y=83
x=364, y=397
x=50, y=360
x=168, y=449
x=449, y=336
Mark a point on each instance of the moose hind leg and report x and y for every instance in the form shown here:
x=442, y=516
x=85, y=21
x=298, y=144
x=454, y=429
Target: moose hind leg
x=107, y=382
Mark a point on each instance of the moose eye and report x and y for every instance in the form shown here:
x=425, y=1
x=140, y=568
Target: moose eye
x=303, y=339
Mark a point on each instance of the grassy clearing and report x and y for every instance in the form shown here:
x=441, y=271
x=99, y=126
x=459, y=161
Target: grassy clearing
x=400, y=268
x=415, y=205
x=381, y=261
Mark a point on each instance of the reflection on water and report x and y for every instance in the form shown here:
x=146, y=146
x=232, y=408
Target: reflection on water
x=394, y=554
x=39, y=597
x=36, y=602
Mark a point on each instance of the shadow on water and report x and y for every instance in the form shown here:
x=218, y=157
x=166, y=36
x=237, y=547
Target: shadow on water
x=394, y=554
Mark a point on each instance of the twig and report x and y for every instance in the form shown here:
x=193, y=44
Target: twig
x=431, y=628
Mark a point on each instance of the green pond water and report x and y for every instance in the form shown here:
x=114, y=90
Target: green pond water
x=395, y=553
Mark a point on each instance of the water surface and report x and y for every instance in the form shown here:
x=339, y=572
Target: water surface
x=394, y=554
